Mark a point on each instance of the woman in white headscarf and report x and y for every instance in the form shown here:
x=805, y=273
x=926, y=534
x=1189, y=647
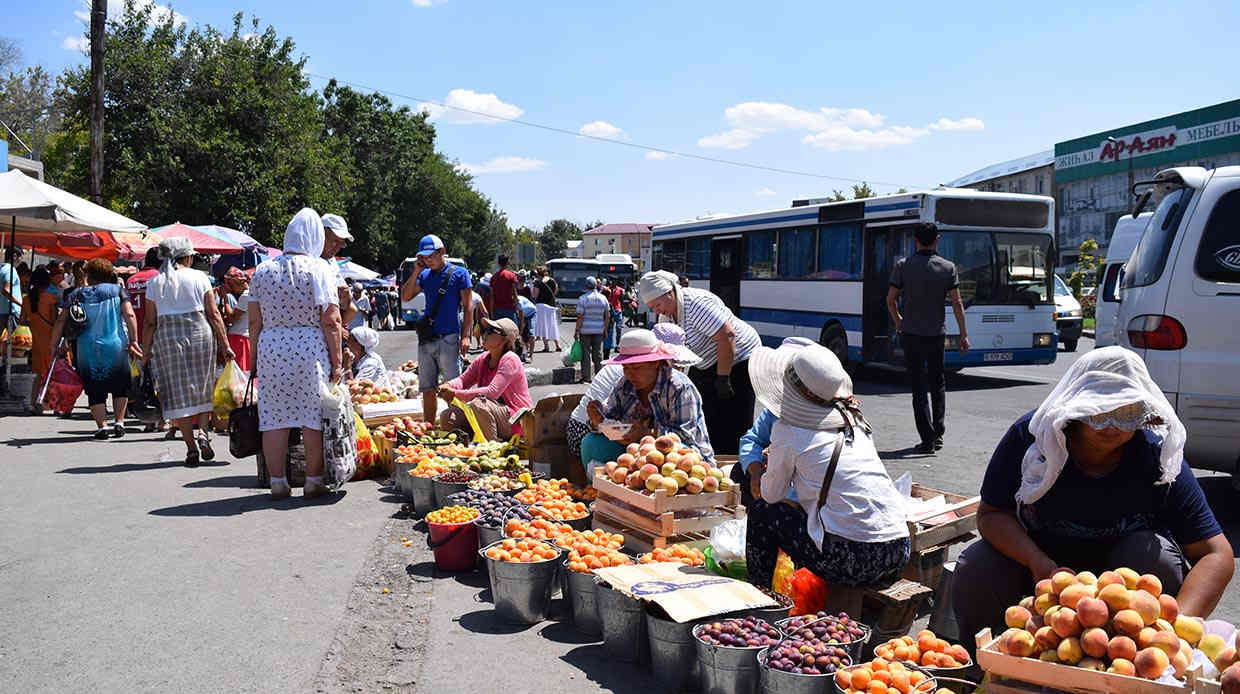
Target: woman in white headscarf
x=367, y=364
x=1094, y=479
x=185, y=336
x=296, y=336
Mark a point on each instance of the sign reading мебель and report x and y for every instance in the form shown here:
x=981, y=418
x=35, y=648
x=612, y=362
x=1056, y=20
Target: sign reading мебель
x=1182, y=137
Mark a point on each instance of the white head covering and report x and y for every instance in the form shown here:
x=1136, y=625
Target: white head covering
x=655, y=284
x=304, y=234
x=366, y=337
x=805, y=386
x=173, y=249
x=1100, y=381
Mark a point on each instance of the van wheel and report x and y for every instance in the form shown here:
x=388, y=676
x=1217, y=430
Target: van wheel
x=1069, y=345
x=834, y=339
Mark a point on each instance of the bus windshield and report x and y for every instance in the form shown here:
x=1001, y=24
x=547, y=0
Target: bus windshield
x=998, y=268
x=571, y=277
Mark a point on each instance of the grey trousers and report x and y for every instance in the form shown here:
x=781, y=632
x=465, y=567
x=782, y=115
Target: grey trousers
x=987, y=582
x=591, y=355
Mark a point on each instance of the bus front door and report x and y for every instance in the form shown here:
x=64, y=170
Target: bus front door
x=725, y=271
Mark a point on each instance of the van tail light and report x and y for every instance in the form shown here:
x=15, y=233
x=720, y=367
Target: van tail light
x=1156, y=332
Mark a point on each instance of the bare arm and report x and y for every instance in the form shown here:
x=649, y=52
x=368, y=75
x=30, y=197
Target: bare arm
x=893, y=307
x=958, y=309
x=1003, y=531
x=333, y=333
x=58, y=329
x=467, y=323
x=131, y=328
x=150, y=317
x=1206, y=581
x=256, y=329
x=347, y=309
x=725, y=349
x=410, y=288
x=224, y=353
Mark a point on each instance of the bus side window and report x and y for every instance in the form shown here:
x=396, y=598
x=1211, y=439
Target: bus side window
x=760, y=250
x=839, y=252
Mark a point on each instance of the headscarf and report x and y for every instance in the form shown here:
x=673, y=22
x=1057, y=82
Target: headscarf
x=655, y=284
x=1100, y=381
x=366, y=337
x=304, y=234
x=173, y=249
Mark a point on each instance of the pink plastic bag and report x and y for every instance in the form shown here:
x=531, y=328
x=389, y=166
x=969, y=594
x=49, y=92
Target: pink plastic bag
x=64, y=389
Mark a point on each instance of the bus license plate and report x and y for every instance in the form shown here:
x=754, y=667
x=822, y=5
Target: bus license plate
x=997, y=356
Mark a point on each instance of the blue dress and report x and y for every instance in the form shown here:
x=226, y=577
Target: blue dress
x=102, y=357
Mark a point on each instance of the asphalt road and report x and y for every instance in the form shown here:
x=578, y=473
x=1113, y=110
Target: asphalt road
x=121, y=570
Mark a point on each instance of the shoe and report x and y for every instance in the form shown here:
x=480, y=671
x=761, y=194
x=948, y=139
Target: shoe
x=118, y=430
x=925, y=448
x=280, y=491
x=938, y=443
x=313, y=491
x=102, y=433
x=204, y=445
x=191, y=458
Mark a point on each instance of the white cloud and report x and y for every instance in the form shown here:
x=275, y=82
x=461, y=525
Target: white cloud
x=765, y=192
x=116, y=8
x=474, y=105
x=601, y=128
x=427, y=3
x=657, y=156
x=501, y=165
x=80, y=44
x=830, y=128
x=962, y=124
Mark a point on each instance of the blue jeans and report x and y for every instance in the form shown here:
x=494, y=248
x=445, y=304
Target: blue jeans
x=509, y=313
x=612, y=338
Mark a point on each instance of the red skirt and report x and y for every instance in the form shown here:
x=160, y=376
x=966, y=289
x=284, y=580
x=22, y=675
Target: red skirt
x=241, y=347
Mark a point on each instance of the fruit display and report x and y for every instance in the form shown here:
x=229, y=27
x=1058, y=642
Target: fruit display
x=831, y=629
x=749, y=632
x=584, y=557
x=926, y=650
x=599, y=538
x=427, y=468
x=491, y=506
x=538, y=528
x=493, y=517
x=678, y=553
x=453, y=514
x=365, y=392
x=434, y=438
x=807, y=657
x=522, y=551
x=496, y=483
x=881, y=675
x=663, y=463
x=409, y=365
x=1118, y=622
x=457, y=477
x=407, y=424
x=559, y=510
x=547, y=490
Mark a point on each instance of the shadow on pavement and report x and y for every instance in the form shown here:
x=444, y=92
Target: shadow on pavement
x=901, y=454
x=603, y=670
x=566, y=633
x=470, y=579
x=1222, y=500
x=136, y=467
x=487, y=622
x=887, y=381
x=73, y=437
x=227, y=482
x=241, y=504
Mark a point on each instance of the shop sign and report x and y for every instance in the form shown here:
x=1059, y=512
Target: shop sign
x=1124, y=147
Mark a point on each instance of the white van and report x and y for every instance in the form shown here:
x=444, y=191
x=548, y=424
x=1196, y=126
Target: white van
x=1068, y=320
x=1180, y=307
x=1127, y=233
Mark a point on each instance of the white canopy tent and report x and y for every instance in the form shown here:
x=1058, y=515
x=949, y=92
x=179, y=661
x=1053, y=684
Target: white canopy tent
x=352, y=271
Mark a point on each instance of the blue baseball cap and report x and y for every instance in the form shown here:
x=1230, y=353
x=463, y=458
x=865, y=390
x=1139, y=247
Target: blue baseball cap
x=429, y=244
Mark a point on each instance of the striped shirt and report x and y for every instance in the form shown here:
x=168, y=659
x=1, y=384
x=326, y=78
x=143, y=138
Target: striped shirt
x=593, y=309
x=705, y=314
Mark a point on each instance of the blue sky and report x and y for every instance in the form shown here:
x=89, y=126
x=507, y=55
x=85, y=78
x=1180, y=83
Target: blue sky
x=904, y=93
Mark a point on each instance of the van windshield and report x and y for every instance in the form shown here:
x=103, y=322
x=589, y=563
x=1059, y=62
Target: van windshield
x=1150, y=257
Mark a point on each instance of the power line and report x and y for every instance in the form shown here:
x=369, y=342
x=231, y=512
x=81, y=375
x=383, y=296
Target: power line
x=608, y=140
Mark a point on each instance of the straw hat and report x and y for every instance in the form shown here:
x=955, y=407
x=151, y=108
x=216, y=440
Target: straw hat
x=673, y=338
x=798, y=385
x=640, y=345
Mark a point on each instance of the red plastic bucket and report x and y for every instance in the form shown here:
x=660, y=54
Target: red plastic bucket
x=455, y=545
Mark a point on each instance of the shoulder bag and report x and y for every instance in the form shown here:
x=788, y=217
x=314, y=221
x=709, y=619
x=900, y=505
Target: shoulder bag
x=244, y=438
x=830, y=474
x=425, y=327
x=75, y=317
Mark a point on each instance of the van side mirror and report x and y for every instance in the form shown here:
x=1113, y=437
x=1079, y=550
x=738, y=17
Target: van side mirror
x=1141, y=202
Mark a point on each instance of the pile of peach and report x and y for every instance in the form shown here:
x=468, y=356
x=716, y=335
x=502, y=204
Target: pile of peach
x=539, y=528
x=881, y=676
x=559, y=510
x=545, y=490
x=522, y=551
x=453, y=514
x=599, y=538
x=664, y=464
x=927, y=650
x=679, y=553
x=584, y=557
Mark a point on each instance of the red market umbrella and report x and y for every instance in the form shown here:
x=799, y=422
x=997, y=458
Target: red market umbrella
x=203, y=243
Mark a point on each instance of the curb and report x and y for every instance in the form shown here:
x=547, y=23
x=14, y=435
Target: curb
x=537, y=377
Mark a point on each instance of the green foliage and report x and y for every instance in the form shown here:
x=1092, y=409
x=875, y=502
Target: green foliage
x=554, y=238
x=26, y=105
x=862, y=190
x=1087, y=265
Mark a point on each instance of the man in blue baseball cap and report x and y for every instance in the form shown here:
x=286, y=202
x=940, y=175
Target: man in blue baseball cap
x=443, y=332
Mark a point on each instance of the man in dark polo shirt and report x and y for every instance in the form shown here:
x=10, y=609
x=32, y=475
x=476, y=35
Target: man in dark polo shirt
x=925, y=280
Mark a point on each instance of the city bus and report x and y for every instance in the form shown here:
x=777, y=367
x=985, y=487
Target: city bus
x=570, y=277
x=821, y=270
x=410, y=311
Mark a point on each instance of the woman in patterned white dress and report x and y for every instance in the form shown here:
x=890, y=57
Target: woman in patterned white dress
x=295, y=335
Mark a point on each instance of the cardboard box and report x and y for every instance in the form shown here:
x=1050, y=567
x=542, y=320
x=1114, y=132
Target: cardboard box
x=549, y=420
x=686, y=593
x=560, y=462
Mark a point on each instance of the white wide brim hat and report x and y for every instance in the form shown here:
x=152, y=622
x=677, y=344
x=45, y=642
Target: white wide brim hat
x=797, y=385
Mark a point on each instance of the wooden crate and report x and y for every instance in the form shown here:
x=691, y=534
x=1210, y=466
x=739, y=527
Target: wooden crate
x=935, y=528
x=659, y=519
x=1073, y=680
x=640, y=541
x=660, y=502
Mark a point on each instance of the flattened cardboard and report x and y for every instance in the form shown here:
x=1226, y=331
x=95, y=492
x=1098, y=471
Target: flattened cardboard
x=686, y=593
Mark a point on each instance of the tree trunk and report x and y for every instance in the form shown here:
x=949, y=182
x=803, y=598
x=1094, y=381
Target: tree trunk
x=98, y=18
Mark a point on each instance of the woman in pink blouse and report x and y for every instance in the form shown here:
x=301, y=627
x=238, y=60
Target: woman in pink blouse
x=494, y=385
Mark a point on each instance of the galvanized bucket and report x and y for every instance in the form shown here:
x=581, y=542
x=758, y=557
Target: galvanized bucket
x=581, y=591
x=522, y=591
x=487, y=535
x=673, y=657
x=581, y=523
x=775, y=681
x=856, y=649
x=726, y=670
x=402, y=479
x=422, y=489
x=443, y=490
x=770, y=614
x=624, y=625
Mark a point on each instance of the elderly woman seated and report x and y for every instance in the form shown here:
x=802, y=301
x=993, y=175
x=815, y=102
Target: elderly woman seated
x=367, y=363
x=654, y=398
x=494, y=385
x=1094, y=479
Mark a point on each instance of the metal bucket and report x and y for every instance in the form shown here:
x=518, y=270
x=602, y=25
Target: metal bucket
x=624, y=625
x=726, y=670
x=402, y=479
x=581, y=523
x=581, y=591
x=521, y=591
x=488, y=536
x=856, y=650
x=443, y=490
x=770, y=614
x=927, y=686
x=673, y=657
x=775, y=681
x=422, y=489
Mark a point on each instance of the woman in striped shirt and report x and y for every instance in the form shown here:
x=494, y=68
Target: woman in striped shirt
x=723, y=341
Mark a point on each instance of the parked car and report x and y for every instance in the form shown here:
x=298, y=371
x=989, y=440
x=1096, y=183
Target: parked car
x=1124, y=238
x=1180, y=305
x=1068, y=319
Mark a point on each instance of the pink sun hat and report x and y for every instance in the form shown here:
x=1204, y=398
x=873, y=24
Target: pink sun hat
x=640, y=345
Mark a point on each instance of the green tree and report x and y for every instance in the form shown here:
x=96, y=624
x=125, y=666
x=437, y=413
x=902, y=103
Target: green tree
x=26, y=106
x=901, y=190
x=837, y=196
x=555, y=236
x=862, y=190
x=1087, y=264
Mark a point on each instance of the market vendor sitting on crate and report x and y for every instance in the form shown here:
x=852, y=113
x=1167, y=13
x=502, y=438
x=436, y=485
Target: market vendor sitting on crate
x=1094, y=479
x=367, y=364
x=847, y=521
x=494, y=385
x=654, y=397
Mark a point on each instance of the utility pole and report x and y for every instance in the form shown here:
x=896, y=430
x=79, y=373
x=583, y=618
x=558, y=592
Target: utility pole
x=98, y=20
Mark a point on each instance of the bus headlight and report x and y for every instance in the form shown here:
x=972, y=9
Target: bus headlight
x=1043, y=339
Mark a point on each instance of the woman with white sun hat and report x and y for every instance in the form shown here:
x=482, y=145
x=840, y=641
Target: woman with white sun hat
x=846, y=523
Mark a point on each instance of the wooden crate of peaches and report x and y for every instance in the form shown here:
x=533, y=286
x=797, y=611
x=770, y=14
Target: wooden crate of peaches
x=659, y=475
x=1117, y=632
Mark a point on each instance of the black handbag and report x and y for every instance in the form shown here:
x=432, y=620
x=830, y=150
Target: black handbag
x=244, y=438
x=75, y=317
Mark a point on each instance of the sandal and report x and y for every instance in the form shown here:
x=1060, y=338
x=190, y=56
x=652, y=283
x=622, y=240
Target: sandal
x=191, y=458
x=204, y=445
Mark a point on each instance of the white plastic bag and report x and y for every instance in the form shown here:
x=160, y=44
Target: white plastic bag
x=727, y=541
x=333, y=399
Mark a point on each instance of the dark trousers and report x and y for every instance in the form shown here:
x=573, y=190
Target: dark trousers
x=987, y=582
x=591, y=355
x=726, y=420
x=923, y=356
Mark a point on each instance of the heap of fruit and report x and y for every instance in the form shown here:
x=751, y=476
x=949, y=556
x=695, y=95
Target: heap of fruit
x=882, y=677
x=593, y=549
x=434, y=438
x=496, y=517
x=538, y=528
x=22, y=339
x=409, y=365
x=663, y=463
x=491, y=506
x=812, y=657
x=600, y=538
x=559, y=510
x=426, y=468
x=364, y=392
x=496, y=483
x=552, y=490
x=406, y=424
x=522, y=551
x=748, y=632
x=927, y=650
x=832, y=629
x=1119, y=622
x=677, y=553
x=457, y=477
x=453, y=514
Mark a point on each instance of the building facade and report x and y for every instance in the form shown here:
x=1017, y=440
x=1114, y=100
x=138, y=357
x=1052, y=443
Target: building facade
x=1034, y=174
x=633, y=239
x=1094, y=174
